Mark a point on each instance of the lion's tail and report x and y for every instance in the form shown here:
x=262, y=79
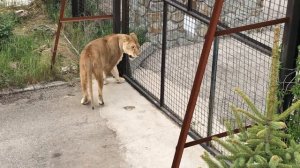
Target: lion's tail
x=90, y=81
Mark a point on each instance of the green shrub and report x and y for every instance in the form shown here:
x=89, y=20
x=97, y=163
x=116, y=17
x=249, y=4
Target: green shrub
x=52, y=9
x=263, y=144
x=293, y=121
x=7, y=23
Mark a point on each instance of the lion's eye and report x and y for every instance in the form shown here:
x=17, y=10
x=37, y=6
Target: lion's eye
x=132, y=47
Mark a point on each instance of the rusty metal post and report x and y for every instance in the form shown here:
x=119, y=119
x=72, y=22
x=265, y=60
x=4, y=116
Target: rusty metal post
x=61, y=16
x=197, y=82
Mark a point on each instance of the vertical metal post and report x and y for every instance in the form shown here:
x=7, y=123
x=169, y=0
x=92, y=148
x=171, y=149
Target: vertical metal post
x=213, y=86
x=81, y=7
x=197, y=82
x=75, y=8
x=291, y=39
x=61, y=16
x=190, y=5
x=124, y=66
x=116, y=16
x=163, y=56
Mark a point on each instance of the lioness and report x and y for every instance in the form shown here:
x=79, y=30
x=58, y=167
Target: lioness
x=100, y=57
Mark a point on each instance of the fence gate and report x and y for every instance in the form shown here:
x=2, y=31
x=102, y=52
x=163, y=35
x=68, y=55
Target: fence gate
x=172, y=34
x=91, y=18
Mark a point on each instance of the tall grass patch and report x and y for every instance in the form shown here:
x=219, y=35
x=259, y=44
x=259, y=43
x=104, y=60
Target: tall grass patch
x=23, y=61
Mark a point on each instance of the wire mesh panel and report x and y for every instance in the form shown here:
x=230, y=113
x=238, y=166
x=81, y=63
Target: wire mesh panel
x=238, y=60
x=146, y=22
x=78, y=34
x=185, y=36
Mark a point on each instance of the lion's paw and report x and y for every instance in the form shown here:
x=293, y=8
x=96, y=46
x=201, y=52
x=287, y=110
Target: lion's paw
x=120, y=80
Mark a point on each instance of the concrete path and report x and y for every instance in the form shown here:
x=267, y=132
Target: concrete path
x=49, y=128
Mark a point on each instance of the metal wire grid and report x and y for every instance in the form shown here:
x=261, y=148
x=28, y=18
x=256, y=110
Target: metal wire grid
x=146, y=69
x=239, y=65
x=242, y=66
x=237, y=13
x=181, y=65
x=81, y=33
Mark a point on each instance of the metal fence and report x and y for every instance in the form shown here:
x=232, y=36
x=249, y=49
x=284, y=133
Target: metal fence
x=81, y=33
x=82, y=21
x=165, y=70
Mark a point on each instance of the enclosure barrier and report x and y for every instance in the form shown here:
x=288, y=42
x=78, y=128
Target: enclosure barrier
x=169, y=72
x=62, y=19
x=159, y=68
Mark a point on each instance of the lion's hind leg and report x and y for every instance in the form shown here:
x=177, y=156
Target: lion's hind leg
x=83, y=80
x=100, y=79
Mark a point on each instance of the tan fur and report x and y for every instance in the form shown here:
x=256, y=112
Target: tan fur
x=100, y=57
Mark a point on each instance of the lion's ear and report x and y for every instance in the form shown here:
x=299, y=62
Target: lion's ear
x=133, y=35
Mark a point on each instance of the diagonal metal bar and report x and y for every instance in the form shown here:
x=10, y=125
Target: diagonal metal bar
x=197, y=82
x=61, y=16
x=252, y=26
x=209, y=138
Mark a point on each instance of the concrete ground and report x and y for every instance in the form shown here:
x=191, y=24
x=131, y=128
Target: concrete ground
x=50, y=128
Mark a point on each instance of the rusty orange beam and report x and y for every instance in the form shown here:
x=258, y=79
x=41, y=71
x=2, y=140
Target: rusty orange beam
x=251, y=26
x=83, y=18
x=207, y=139
x=197, y=82
x=61, y=16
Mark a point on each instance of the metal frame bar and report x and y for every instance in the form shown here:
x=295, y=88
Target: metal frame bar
x=209, y=138
x=124, y=66
x=62, y=20
x=84, y=18
x=61, y=16
x=163, y=56
x=116, y=16
x=197, y=82
x=252, y=26
x=213, y=86
x=190, y=5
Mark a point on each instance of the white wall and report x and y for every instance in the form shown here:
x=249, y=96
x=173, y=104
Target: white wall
x=15, y=2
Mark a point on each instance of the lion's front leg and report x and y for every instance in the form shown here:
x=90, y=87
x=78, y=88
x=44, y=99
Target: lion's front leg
x=115, y=73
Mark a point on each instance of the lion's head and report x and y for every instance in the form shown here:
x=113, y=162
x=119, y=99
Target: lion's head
x=131, y=45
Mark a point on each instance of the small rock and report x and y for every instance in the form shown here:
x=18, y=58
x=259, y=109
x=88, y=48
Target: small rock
x=22, y=13
x=13, y=65
x=65, y=69
x=129, y=108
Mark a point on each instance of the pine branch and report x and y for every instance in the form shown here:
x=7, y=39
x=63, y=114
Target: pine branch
x=249, y=103
x=210, y=162
x=273, y=86
x=254, y=118
x=288, y=111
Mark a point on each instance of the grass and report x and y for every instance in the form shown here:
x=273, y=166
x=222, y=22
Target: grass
x=52, y=9
x=22, y=62
x=82, y=33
